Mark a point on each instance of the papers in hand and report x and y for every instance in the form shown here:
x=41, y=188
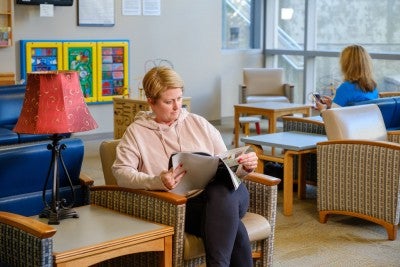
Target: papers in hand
x=201, y=168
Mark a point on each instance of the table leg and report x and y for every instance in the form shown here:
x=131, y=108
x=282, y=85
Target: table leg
x=301, y=178
x=288, y=183
x=272, y=129
x=271, y=124
x=166, y=258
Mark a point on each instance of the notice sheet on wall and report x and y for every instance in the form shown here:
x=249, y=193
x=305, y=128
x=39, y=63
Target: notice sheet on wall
x=96, y=13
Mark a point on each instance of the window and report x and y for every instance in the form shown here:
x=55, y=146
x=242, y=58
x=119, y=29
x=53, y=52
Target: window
x=241, y=24
x=309, y=49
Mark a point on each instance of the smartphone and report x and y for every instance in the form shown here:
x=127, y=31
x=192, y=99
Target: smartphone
x=318, y=98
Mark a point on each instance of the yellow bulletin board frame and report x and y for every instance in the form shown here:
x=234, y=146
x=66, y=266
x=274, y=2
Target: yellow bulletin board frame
x=32, y=56
x=82, y=57
x=113, y=70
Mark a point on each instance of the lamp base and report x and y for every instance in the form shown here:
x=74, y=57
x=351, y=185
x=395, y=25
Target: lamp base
x=57, y=209
x=55, y=217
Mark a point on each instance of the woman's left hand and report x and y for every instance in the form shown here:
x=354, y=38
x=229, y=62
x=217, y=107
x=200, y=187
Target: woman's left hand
x=249, y=161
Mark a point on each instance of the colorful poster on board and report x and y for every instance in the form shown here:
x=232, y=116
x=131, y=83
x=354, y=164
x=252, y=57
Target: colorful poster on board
x=43, y=56
x=114, y=69
x=81, y=57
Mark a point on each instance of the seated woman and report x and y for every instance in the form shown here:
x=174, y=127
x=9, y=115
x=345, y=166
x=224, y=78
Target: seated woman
x=359, y=84
x=142, y=163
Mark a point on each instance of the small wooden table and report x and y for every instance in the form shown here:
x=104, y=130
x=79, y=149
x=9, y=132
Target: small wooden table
x=272, y=110
x=293, y=143
x=100, y=234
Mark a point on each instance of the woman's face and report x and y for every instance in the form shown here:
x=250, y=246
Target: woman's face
x=168, y=107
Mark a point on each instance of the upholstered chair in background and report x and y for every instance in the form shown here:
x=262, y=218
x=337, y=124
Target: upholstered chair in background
x=168, y=208
x=264, y=85
x=358, y=169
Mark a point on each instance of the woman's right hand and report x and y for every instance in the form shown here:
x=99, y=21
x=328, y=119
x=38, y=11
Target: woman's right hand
x=327, y=100
x=326, y=103
x=172, y=177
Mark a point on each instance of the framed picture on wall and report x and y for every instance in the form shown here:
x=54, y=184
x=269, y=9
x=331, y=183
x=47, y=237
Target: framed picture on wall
x=96, y=13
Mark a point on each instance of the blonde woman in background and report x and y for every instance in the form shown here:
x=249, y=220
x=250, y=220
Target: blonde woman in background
x=358, y=81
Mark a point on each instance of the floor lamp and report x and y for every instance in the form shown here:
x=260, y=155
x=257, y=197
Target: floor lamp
x=54, y=105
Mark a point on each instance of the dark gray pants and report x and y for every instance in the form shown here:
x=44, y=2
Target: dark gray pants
x=215, y=216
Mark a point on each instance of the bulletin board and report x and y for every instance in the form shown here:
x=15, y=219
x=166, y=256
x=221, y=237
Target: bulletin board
x=103, y=65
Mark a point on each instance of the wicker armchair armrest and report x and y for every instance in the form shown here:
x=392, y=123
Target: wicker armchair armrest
x=303, y=124
x=266, y=180
x=242, y=93
x=289, y=91
x=27, y=224
x=85, y=180
x=263, y=194
x=25, y=241
x=394, y=136
x=263, y=191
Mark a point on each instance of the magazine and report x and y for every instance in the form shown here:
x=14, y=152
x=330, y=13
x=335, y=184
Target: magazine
x=201, y=168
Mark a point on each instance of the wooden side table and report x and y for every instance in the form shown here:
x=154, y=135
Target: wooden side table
x=293, y=143
x=271, y=110
x=100, y=234
x=125, y=110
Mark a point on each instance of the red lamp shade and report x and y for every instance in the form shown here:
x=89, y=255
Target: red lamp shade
x=54, y=104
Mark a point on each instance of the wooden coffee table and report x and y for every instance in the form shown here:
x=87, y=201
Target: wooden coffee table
x=100, y=234
x=271, y=110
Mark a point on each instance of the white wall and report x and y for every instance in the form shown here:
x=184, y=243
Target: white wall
x=188, y=33
x=232, y=76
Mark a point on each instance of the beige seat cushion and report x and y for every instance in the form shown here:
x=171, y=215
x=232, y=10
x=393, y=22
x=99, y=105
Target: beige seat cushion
x=355, y=122
x=257, y=227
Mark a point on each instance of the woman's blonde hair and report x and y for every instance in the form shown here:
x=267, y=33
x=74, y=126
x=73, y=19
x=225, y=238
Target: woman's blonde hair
x=356, y=65
x=160, y=79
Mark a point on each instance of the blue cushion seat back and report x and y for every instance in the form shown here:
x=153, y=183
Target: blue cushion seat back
x=7, y=137
x=24, y=167
x=10, y=107
x=387, y=105
x=395, y=125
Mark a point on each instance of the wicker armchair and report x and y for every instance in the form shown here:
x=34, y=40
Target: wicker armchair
x=168, y=208
x=358, y=173
x=25, y=241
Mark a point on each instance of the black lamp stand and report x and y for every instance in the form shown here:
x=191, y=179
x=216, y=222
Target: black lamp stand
x=58, y=209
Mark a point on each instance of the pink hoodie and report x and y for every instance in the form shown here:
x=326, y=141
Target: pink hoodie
x=146, y=147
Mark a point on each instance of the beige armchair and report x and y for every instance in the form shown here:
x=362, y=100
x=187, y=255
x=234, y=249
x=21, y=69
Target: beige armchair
x=264, y=85
x=168, y=208
x=358, y=170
